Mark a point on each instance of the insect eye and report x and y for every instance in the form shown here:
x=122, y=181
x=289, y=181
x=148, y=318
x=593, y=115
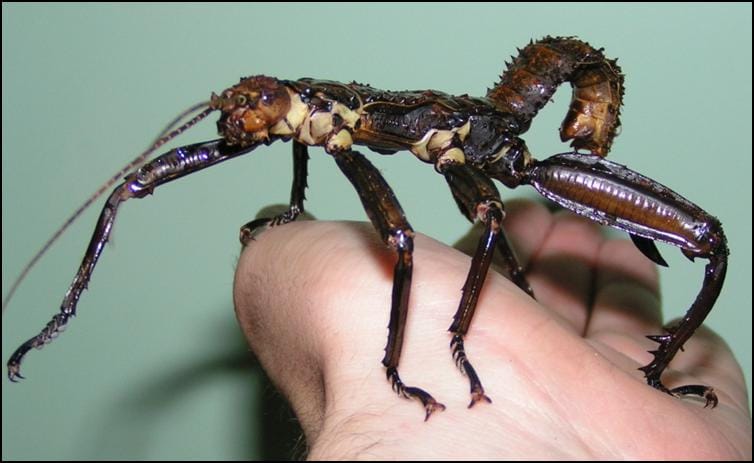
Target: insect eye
x=266, y=98
x=241, y=100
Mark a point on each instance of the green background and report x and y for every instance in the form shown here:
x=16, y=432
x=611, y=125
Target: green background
x=154, y=366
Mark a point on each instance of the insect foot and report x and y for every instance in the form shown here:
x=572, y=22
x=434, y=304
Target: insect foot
x=430, y=404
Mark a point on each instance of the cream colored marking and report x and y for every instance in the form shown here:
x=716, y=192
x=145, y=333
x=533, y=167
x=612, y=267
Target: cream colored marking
x=527, y=157
x=339, y=142
x=481, y=209
x=435, y=141
x=313, y=126
x=500, y=154
x=295, y=117
x=283, y=127
x=440, y=140
x=452, y=156
x=463, y=131
x=310, y=131
x=420, y=147
x=350, y=117
x=504, y=151
x=320, y=125
x=302, y=134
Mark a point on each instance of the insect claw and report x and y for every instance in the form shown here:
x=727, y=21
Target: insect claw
x=251, y=230
x=711, y=398
x=478, y=396
x=14, y=375
x=432, y=406
x=705, y=392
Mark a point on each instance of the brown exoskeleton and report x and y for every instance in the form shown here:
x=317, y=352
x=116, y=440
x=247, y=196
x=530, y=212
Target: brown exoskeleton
x=469, y=141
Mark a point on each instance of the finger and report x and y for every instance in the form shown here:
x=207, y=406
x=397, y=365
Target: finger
x=626, y=291
x=626, y=304
x=313, y=299
x=289, y=270
x=526, y=224
x=276, y=209
x=707, y=359
x=561, y=270
x=627, y=308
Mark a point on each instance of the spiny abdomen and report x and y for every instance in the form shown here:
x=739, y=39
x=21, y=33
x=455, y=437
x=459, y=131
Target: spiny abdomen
x=532, y=77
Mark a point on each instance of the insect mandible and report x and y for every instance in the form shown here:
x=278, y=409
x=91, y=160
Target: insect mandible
x=470, y=141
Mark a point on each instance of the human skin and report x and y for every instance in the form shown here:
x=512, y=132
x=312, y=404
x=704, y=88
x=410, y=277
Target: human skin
x=313, y=301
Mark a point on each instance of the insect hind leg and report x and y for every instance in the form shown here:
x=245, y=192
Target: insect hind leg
x=673, y=341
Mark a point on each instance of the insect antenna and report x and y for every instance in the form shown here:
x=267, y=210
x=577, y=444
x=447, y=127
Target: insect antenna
x=168, y=133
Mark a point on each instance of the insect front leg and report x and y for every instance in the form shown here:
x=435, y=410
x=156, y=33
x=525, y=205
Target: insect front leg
x=298, y=188
x=614, y=195
x=478, y=198
x=388, y=218
x=165, y=168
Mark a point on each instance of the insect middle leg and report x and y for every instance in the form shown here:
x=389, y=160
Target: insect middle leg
x=300, y=164
x=165, y=168
x=478, y=198
x=388, y=218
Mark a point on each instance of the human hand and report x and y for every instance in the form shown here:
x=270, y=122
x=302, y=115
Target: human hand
x=313, y=299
